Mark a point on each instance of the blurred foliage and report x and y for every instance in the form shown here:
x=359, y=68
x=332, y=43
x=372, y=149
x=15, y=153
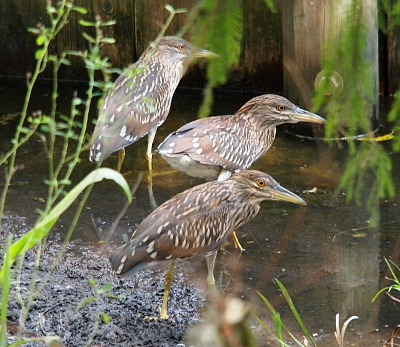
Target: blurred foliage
x=344, y=53
x=395, y=272
x=52, y=127
x=368, y=174
x=280, y=327
x=217, y=27
x=389, y=14
x=369, y=168
x=226, y=323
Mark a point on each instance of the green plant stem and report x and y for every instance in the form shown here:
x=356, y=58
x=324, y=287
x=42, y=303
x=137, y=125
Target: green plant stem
x=5, y=290
x=52, y=135
x=26, y=308
x=41, y=64
x=96, y=324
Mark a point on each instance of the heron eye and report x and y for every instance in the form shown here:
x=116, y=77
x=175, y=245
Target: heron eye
x=281, y=108
x=181, y=48
x=261, y=183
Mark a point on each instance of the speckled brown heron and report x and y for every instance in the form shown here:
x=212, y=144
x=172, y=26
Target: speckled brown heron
x=198, y=220
x=218, y=146
x=140, y=99
x=215, y=147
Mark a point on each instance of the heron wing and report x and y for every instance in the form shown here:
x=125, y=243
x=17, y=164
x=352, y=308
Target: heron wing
x=221, y=141
x=138, y=102
x=192, y=222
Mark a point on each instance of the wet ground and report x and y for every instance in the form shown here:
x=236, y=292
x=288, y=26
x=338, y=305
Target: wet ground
x=324, y=253
x=133, y=314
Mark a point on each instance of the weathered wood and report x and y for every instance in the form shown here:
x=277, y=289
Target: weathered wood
x=16, y=44
x=150, y=16
x=123, y=52
x=393, y=58
x=306, y=26
x=70, y=39
x=260, y=67
x=304, y=32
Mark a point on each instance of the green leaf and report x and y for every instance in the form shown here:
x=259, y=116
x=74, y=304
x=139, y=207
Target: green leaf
x=40, y=40
x=64, y=182
x=40, y=53
x=218, y=27
x=34, y=30
x=79, y=9
x=88, y=37
x=105, y=317
x=36, y=234
x=84, y=302
x=106, y=287
x=51, y=10
x=107, y=40
x=77, y=53
x=113, y=296
x=271, y=5
x=108, y=23
x=86, y=23
x=294, y=310
x=5, y=284
x=65, y=61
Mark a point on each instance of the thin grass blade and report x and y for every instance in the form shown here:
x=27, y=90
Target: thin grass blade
x=294, y=310
x=32, y=237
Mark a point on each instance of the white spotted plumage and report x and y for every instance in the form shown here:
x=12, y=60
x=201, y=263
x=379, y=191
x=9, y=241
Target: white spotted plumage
x=204, y=147
x=197, y=220
x=140, y=99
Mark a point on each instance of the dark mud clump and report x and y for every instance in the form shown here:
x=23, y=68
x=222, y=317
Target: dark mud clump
x=133, y=317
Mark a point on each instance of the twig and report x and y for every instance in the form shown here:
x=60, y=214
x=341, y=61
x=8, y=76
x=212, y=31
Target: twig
x=123, y=211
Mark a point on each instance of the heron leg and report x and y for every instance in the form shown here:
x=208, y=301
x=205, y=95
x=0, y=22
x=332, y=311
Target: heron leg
x=121, y=157
x=210, y=265
x=169, y=277
x=236, y=242
x=149, y=155
x=153, y=202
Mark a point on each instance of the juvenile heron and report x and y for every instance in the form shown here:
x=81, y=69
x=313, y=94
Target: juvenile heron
x=198, y=220
x=140, y=99
x=218, y=146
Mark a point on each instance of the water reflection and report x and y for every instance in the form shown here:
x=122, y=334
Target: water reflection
x=324, y=253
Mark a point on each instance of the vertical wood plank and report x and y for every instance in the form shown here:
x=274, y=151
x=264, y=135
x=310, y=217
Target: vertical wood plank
x=16, y=44
x=305, y=26
x=122, y=53
x=260, y=67
x=70, y=39
x=150, y=16
x=393, y=57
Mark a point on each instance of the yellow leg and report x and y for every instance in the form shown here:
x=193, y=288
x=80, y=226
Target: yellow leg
x=121, y=157
x=149, y=155
x=210, y=265
x=169, y=277
x=236, y=242
x=153, y=202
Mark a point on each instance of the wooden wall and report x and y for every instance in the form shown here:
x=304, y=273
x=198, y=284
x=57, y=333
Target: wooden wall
x=278, y=49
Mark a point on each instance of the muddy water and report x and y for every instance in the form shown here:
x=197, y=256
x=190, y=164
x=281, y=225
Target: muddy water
x=324, y=253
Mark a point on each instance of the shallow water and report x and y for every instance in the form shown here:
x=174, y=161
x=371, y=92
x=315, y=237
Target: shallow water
x=324, y=253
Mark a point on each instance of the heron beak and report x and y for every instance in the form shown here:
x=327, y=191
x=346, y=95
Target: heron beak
x=202, y=53
x=280, y=193
x=300, y=115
